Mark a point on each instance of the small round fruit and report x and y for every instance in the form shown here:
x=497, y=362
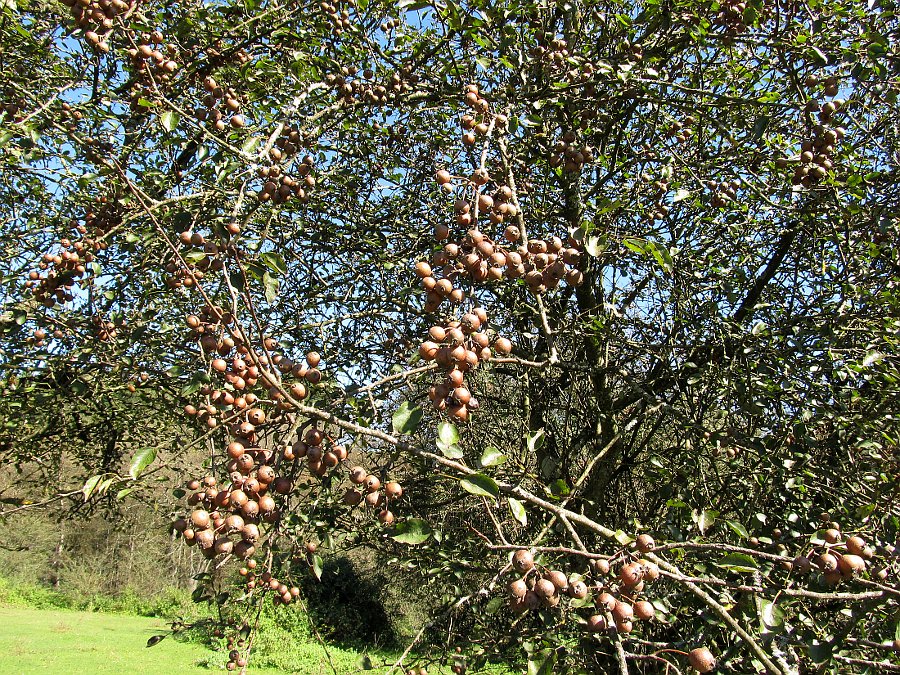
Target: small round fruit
x=522, y=561
x=645, y=543
x=701, y=660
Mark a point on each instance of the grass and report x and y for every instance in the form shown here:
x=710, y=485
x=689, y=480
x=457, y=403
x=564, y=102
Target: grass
x=47, y=631
x=63, y=641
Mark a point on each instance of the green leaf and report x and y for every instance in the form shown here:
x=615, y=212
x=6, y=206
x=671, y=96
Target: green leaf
x=771, y=615
x=542, y=663
x=559, y=488
x=448, y=434
x=738, y=529
x=170, y=120
x=518, y=511
x=317, y=566
x=738, y=562
x=412, y=531
x=90, y=486
x=479, y=484
x=141, y=460
x=494, y=606
x=273, y=261
x=492, y=457
x=407, y=418
x=705, y=519
x=121, y=494
x=271, y=285
x=535, y=441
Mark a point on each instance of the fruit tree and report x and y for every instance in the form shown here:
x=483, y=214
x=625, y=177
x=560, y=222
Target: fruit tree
x=582, y=314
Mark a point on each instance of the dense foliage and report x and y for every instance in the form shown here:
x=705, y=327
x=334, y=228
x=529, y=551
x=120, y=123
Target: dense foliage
x=583, y=316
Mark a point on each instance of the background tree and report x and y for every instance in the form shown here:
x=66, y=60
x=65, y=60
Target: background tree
x=596, y=302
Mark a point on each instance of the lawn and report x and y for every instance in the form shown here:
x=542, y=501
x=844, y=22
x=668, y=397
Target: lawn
x=62, y=641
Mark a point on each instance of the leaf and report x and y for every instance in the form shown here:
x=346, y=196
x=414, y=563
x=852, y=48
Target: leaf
x=872, y=358
x=681, y=195
x=270, y=284
x=273, y=261
x=738, y=529
x=479, y=484
x=492, y=457
x=705, y=519
x=155, y=640
x=170, y=120
x=595, y=245
x=317, y=566
x=448, y=434
x=559, y=488
x=535, y=441
x=494, y=606
x=141, y=460
x=518, y=511
x=770, y=615
x=738, y=562
x=407, y=418
x=542, y=663
x=90, y=486
x=413, y=531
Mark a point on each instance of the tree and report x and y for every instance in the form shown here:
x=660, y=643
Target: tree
x=596, y=302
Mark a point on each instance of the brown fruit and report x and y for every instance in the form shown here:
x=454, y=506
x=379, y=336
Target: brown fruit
x=645, y=543
x=701, y=660
x=607, y=601
x=545, y=588
x=200, y=518
x=851, y=564
x=644, y=610
x=856, y=545
x=596, y=623
x=559, y=580
x=578, y=590
x=518, y=588
x=631, y=574
x=393, y=489
x=522, y=561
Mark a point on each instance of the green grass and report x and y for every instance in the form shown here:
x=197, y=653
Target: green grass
x=62, y=641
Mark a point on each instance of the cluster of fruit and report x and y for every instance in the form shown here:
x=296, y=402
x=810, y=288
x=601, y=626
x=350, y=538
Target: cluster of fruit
x=723, y=191
x=339, y=18
x=282, y=594
x=288, y=144
x=459, y=347
x=98, y=17
x=535, y=589
x=830, y=85
x=226, y=518
x=569, y=154
x=210, y=111
x=732, y=17
x=11, y=108
x=319, y=457
x=38, y=337
x=57, y=272
x=106, y=331
x=148, y=56
x=476, y=122
x=660, y=209
x=366, y=89
x=279, y=188
x=838, y=559
x=816, y=155
x=197, y=263
x=680, y=130
x=373, y=493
